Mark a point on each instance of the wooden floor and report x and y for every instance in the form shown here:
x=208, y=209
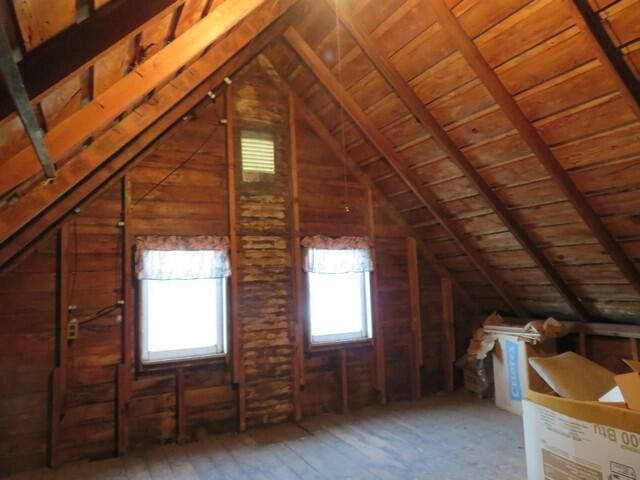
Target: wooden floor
x=440, y=438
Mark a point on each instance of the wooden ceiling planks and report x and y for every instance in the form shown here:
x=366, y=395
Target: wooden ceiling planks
x=386, y=149
x=481, y=66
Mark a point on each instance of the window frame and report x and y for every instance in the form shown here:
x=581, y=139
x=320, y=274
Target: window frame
x=342, y=340
x=143, y=366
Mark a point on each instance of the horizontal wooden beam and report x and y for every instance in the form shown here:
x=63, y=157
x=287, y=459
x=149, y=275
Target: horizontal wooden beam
x=532, y=138
x=325, y=136
x=442, y=138
x=19, y=97
x=80, y=44
x=386, y=149
x=70, y=134
x=43, y=207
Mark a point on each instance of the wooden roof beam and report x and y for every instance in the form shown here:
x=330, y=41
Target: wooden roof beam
x=70, y=134
x=533, y=139
x=384, y=146
x=327, y=138
x=23, y=221
x=430, y=123
x=608, y=55
x=18, y=92
x=80, y=44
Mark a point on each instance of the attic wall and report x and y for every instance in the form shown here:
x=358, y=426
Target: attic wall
x=180, y=187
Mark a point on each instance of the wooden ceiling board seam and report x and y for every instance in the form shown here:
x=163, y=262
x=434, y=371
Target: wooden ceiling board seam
x=326, y=77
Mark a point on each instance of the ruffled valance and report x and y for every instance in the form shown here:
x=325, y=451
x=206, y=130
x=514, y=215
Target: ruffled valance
x=337, y=255
x=182, y=258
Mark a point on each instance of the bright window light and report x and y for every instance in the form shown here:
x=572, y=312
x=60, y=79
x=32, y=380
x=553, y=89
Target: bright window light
x=258, y=153
x=339, y=307
x=183, y=319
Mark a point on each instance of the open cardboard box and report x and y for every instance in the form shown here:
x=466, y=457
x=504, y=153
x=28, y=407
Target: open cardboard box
x=576, y=440
x=627, y=392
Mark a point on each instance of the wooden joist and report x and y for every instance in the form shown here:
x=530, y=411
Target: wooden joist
x=334, y=146
x=80, y=176
x=413, y=103
x=448, y=334
x=70, y=134
x=83, y=43
x=384, y=146
x=416, y=320
x=608, y=55
x=532, y=138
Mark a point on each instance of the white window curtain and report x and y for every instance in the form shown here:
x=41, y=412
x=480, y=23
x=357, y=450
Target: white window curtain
x=337, y=255
x=182, y=258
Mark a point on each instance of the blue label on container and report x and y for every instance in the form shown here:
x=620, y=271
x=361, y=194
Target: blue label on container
x=513, y=370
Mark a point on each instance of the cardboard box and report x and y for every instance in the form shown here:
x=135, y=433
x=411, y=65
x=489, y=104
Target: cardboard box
x=512, y=374
x=576, y=440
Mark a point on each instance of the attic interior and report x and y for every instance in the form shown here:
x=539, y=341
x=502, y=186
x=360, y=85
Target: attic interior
x=317, y=238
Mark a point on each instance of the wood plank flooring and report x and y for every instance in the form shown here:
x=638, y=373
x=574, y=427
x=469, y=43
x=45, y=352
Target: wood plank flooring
x=453, y=437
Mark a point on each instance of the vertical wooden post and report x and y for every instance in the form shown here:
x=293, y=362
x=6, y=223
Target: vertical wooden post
x=181, y=414
x=344, y=379
x=582, y=344
x=378, y=332
x=298, y=360
x=128, y=320
x=448, y=334
x=635, y=353
x=416, y=321
x=59, y=375
x=236, y=353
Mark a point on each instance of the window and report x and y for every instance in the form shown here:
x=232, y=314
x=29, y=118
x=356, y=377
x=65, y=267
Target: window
x=339, y=294
x=258, y=155
x=183, y=298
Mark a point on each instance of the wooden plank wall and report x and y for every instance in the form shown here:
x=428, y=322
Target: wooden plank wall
x=28, y=335
x=180, y=187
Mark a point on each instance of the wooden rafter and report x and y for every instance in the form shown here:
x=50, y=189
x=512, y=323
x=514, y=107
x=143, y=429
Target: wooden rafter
x=82, y=43
x=44, y=207
x=18, y=93
x=430, y=123
x=71, y=133
x=606, y=52
x=386, y=149
x=327, y=138
x=532, y=138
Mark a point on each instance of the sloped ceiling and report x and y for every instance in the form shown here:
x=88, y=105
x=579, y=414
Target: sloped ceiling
x=525, y=185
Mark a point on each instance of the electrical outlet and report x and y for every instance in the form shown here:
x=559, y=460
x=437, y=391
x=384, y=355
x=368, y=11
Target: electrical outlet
x=73, y=329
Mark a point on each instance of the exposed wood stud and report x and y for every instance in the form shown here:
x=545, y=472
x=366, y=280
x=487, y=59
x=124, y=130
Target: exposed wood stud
x=59, y=376
x=297, y=334
x=344, y=380
x=635, y=351
x=181, y=412
x=448, y=334
x=384, y=146
x=236, y=350
x=15, y=86
x=533, y=139
x=608, y=55
x=378, y=331
x=125, y=367
x=582, y=344
x=413, y=103
x=416, y=321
